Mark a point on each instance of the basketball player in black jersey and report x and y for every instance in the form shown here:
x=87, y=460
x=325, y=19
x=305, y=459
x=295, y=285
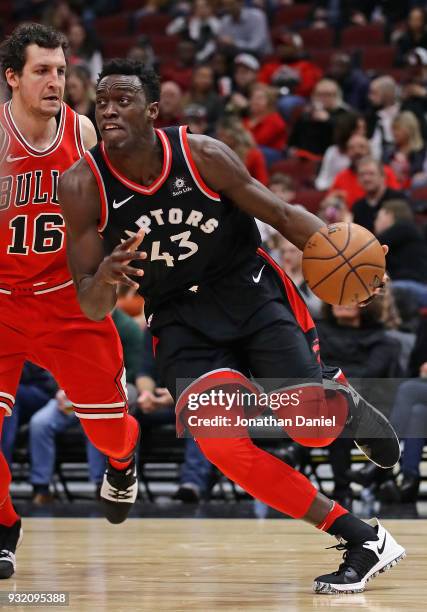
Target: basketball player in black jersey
x=214, y=300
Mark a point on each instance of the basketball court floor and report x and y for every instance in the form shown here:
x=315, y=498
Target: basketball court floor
x=204, y=564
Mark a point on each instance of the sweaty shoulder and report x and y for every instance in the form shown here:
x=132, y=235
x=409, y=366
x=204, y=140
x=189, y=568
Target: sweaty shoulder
x=218, y=165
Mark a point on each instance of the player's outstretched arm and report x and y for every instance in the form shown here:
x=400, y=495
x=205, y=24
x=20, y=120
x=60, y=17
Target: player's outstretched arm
x=223, y=171
x=95, y=275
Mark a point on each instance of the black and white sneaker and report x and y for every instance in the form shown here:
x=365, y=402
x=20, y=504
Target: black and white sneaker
x=372, y=432
x=10, y=539
x=361, y=563
x=118, y=492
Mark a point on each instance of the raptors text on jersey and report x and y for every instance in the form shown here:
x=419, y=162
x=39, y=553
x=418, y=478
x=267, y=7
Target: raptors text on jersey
x=192, y=234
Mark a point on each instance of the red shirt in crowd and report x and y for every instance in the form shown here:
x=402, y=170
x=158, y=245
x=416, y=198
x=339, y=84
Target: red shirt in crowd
x=256, y=166
x=347, y=181
x=310, y=74
x=269, y=131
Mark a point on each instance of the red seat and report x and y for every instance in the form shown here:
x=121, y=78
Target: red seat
x=113, y=25
x=322, y=57
x=362, y=36
x=378, y=58
x=319, y=38
x=164, y=46
x=419, y=194
x=302, y=171
x=310, y=198
x=118, y=47
x=289, y=15
x=153, y=24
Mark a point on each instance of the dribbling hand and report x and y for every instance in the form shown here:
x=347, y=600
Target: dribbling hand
x=114, y=268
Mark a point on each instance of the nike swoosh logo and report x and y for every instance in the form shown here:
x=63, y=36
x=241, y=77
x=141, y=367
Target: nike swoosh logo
x=380, y=550
x=118, y=204
x=10, y=159
x=257, y=278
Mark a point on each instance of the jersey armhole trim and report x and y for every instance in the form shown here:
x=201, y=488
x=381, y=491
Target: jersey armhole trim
x=192, y=166
x=102, y=192
x=78, y=132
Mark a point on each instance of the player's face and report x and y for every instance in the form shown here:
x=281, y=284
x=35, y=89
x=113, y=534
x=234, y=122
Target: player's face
x=122, y=111
x=41, y=84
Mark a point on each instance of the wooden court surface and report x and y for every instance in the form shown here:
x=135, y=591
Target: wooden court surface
x=205, y=565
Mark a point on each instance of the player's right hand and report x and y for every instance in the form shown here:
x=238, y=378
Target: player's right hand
x=114, y=268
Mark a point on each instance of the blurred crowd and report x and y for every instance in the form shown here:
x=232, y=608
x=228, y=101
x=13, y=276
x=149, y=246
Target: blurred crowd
x=326, y=104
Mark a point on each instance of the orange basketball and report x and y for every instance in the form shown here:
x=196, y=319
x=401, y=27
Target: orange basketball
x=343, y=264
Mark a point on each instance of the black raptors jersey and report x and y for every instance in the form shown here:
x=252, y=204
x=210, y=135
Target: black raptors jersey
x=193, y=236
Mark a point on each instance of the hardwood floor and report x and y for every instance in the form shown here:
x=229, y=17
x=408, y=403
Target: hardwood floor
x=205, y=565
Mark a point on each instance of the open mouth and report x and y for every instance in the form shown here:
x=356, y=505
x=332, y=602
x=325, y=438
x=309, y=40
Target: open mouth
x=51, y=98
x=108, y=127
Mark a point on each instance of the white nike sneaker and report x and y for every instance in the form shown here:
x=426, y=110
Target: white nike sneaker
x=118, y=492
x=361, y=563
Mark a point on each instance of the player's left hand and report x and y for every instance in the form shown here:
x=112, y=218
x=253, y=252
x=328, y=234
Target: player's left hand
x=380, y=290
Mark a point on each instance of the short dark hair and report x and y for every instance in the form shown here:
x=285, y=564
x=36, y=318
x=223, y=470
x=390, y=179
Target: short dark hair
x=149, y=80
x=13, y=49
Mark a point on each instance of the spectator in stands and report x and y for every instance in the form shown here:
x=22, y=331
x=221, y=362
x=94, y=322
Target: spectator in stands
x=409, y=417
x=57, y=416
x=371, y=178
x=414, y=90
x=154, y=408
x=289, y=55
x=35, y=388
x=84, y=49
x=283, y=186
x=333, y=209
x=266, y=125
x=181, y=70
x=347, y=183
x=244, y=29
x=54, y=418
x=353, y=82
x=336, y=159
x=80, y=92
x=384, y=101
x=407, y=259
x=414, y=36
x=408, y=157
x=143, y=52
x=222, y=71
x=245, y=73
x=233, y=133
x=291, y=262
x=195, y=117
x=201, y=26
x=356, y=338
x=58, y=14
x=313, y=131
x=202, y=92
x=170, y=105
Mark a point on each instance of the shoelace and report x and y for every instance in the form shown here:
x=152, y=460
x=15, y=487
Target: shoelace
x=355, y=557
x=119, y=494
x=6, y=555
